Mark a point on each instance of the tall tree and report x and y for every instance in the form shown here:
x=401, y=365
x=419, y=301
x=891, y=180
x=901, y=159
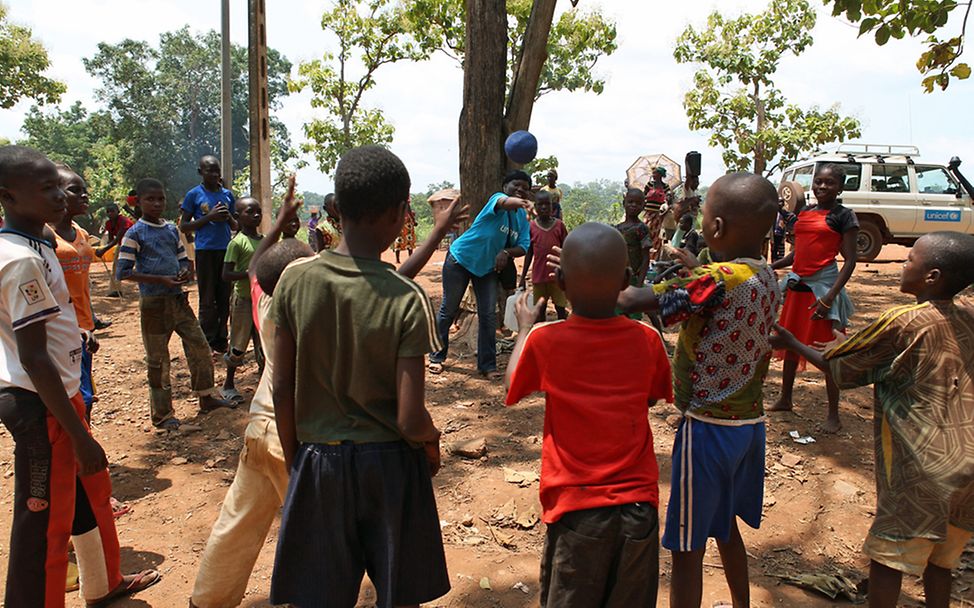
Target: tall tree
x=734, y=95
x=887, y=19
x=23, y=62
x=165, y=102
x=370, y=34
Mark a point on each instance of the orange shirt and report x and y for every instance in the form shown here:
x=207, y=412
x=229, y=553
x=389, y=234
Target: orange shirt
x=75, y=258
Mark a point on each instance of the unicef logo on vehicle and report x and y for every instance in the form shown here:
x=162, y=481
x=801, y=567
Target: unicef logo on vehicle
x=933, y=215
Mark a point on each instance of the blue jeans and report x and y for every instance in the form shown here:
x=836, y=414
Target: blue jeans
x=455, y=281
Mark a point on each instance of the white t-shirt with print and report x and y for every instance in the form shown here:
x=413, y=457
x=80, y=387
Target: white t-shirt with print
x=33, y=290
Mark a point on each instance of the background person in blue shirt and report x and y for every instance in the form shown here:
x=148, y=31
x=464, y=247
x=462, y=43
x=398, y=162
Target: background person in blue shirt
x=208, y=210
x=499, y=233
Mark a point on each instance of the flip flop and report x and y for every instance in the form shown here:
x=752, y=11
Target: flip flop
x=435, y=368
x=119, y=508
x=129, y=586
x=233, y=395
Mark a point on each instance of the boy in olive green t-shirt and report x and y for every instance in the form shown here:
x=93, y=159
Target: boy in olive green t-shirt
x=236, y=262
x=352, y=335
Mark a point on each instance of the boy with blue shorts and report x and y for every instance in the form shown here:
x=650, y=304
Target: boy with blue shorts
x=727, y=308
x=348, y=389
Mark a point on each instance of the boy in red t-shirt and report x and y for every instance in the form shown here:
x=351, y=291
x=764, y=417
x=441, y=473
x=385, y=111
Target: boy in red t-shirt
x=599, y=478
x=547, y=232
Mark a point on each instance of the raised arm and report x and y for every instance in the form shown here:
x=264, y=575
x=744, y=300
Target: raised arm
x=445, y=219
x=287, y=212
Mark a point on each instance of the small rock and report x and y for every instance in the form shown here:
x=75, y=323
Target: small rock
x=474, y=448
x=791, y=460
x=846, y=489
x=521, y=587
x=223, y=435
x=674, y=420
x=533, y=439
x=485, y=583
x=178, y=460
x=467, y=520
x=189, y=428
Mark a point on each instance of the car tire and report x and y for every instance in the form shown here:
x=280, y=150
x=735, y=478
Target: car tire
x=793, y=194
x=869, y=242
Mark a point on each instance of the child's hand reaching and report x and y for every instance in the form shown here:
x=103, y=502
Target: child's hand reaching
x=781, y=339
x=554, y=261
x=289, y=208
x=526, y=314
x=449, y=217
x=683, y=256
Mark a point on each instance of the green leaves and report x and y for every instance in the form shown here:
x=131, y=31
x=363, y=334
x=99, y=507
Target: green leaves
x=897, y=18
x=734, y=96
x=369, y=34
x=23, y=62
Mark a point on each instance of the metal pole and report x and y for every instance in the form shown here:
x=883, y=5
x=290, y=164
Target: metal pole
x=226, y=136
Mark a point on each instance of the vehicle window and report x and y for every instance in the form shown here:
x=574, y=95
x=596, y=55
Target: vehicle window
x=853, y=175
x=803, y=175
x=934, y=180
x=890, y=178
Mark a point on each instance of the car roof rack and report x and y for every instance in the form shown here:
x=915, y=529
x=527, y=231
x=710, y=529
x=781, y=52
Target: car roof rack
x=877, y=150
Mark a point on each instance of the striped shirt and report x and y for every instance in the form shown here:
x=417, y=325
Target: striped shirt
x=155, y=249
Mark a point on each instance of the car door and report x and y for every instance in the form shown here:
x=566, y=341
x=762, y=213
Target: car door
x=893, y=196
x=940, y=208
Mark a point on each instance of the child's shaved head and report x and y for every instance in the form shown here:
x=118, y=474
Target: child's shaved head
x=740, y=209
x=594, y=265
x=952, y=253
x=270, y=265
x=17, y=162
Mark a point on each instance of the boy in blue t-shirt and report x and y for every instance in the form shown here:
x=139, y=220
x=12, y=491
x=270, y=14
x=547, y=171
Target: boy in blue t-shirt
x=152, y=255
x=209, y=211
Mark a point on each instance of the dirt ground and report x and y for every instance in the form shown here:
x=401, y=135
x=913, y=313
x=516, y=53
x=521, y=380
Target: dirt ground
x=818, y=505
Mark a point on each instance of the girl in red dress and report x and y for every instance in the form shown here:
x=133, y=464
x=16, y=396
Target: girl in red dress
x=816, y=304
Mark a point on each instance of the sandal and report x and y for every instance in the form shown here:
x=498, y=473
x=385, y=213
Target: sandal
x=131, y=584
x=434, y=368
x=119, y=508
x=171, y=424
x=232, y=395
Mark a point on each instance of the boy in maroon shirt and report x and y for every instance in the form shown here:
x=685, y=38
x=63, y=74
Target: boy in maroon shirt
x=599, y=478
x=547, y=232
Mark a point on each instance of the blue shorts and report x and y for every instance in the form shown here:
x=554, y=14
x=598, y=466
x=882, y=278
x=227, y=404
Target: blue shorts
x=718, y=474
x=356, y=508
x=87, y=386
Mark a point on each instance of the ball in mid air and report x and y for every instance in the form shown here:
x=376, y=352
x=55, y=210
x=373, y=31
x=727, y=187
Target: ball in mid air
x=521, y=147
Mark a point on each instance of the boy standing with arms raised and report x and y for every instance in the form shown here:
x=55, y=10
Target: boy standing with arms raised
x=599, y=478
x=350, y=408
x=721, y=358
x=208, y=211
x=153, y=256
x=42, y=408
x=918, y=358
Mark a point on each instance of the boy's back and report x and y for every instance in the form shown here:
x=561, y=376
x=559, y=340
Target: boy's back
x=600, y=377
x=352, y=318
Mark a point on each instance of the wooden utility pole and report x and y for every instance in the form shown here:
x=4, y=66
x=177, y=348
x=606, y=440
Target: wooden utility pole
x=226, y=133
x=260, y=143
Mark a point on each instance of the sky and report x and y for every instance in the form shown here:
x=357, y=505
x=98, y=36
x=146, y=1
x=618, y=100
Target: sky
x=593, y=136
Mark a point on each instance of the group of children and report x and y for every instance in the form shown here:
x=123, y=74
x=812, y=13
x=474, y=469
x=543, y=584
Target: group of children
x=339, y=431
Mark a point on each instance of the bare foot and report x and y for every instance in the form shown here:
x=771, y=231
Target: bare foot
x=832, y=425
x=781, y=405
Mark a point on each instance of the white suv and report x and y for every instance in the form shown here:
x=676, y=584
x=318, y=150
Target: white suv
x=896, y=197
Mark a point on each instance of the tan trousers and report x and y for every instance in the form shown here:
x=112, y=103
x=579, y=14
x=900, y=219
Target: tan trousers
x=252, y=502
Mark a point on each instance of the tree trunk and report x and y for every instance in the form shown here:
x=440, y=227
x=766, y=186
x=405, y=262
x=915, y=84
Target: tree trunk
x=531, y=59
x=482, y=117
x=760, y=162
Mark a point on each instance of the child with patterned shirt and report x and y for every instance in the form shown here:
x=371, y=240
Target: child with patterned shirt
x=721, y=358
x=599, y=477
x=153, y=256
x=918, y=358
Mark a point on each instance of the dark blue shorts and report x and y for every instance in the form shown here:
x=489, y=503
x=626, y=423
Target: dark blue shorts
x=356, y=508
x=718, y=475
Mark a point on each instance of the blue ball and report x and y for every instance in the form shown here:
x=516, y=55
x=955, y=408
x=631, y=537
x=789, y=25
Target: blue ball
x=521, y=147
